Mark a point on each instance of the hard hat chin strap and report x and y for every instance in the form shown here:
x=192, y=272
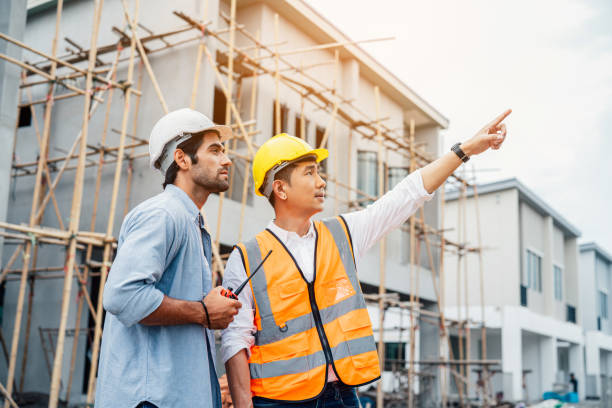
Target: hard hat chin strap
x=269, y=179
x=167, y=157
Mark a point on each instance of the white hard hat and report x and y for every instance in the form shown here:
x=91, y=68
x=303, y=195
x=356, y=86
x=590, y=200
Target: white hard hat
x=173, y=129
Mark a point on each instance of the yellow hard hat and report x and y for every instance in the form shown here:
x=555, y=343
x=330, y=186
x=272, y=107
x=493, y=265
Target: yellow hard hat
x=275, y=154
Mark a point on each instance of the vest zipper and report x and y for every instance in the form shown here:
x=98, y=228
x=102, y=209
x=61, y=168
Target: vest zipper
x=319, y=325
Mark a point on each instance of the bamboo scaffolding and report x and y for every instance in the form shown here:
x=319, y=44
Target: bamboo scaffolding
x=277, y=110
x=382, y=263
x=55, y=60
x=217, y=268
x=483, y=326
x=116, y=182
x=237, y=64
x=92, y=226
x=323, y=47
x=43, y=74
x=413, y=285
x=33, y=218
x=45, y=168
x=460, y=254
x=75, y=215
x=468, y=329
x=441, y=305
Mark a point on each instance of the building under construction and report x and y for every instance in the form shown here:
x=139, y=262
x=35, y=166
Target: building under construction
x=82, y=85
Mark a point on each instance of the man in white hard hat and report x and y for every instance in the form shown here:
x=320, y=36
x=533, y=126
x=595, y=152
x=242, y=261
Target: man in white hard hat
x=304, y=336
x=158, y=347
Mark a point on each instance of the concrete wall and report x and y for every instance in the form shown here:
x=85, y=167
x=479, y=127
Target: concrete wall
x=12, y=23
x=533, y=238
x=572, y=275
x=500, y=239
x=174, y=70
x=65, y=125
x=588, y=291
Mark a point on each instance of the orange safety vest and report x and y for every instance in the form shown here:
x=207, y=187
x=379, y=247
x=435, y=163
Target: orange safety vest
x=302, y=327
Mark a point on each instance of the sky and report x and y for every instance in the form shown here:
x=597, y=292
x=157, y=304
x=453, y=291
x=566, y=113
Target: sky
x=548, y=60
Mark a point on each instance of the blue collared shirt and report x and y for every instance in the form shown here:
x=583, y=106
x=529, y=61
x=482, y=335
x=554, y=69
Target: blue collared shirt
x=160, y=251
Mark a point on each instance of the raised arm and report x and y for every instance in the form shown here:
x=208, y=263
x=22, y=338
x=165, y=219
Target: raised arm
x=492, y=135
x=367, y=226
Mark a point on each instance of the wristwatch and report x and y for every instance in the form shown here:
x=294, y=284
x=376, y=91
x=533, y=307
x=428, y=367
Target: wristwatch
x=457, y=150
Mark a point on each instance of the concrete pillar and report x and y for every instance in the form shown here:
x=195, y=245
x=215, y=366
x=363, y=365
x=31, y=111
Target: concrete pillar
x=512, y=365
x=429, y=339
x=12, y=23
x=576, y=353
x=207, y=79
x=548, y=283
x=592, y=362
x=350, y=79
x=572, y=283
x=548, y=363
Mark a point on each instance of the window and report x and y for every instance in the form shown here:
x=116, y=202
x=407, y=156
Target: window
x=284, y=113
x=367, y=175
x=394, y=356
x=395, y=175
x=571, y=315
x=603, y=304
x=237, y=175
x=25, y=116
x=319, y=132
x=219, y=105
x=299, y=132
x=534, y=271
x=558, y=276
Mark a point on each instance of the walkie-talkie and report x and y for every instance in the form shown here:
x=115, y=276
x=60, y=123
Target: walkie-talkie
x=228, y=293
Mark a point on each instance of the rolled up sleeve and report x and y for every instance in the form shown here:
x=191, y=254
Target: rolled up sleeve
x=239, y=334
x=145, y=243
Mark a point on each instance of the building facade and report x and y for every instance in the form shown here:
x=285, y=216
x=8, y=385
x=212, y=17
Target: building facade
x=530, y=286
x=353, y=159
x=594, y=284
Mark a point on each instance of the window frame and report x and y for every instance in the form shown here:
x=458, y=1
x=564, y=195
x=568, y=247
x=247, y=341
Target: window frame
x=558, y=282
x=536, y=286
x=602, y=312
x=374, y=192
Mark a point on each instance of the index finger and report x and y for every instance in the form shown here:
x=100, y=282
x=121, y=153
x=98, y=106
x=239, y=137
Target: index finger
x=500, y=118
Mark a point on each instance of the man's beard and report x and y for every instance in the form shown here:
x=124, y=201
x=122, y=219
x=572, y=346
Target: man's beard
x=212, y=184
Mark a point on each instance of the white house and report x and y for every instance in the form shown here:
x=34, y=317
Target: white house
x=594, y=284
x=530, y=263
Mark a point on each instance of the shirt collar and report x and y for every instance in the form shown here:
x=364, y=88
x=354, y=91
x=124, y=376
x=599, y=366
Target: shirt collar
x=285, y=235
x=185, y=200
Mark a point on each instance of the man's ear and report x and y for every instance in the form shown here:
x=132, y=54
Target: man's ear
x=181, y=159
x=279, y=189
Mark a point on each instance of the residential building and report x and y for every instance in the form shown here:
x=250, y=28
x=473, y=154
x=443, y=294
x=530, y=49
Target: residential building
x=594, y=286
x=353, y=160
x=530, y=286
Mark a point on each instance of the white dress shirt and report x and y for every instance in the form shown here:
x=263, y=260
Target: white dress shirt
x=366, y=226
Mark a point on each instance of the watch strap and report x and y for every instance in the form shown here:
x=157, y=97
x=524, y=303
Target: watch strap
x=460, y=153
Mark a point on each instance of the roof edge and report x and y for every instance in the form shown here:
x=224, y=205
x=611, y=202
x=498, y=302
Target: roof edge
x=329, y=29
x=593, y=246
x=526, y=195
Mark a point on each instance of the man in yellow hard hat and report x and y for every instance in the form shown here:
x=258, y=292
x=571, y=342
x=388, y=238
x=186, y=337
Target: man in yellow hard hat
x=303, y=336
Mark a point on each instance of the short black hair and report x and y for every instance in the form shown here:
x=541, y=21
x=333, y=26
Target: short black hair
x=190, y=147
x=285, y=174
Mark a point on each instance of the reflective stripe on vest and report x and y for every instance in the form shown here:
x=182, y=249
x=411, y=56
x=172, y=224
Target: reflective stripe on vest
x=288, y=359
x=301, y=364
x=259, y=283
